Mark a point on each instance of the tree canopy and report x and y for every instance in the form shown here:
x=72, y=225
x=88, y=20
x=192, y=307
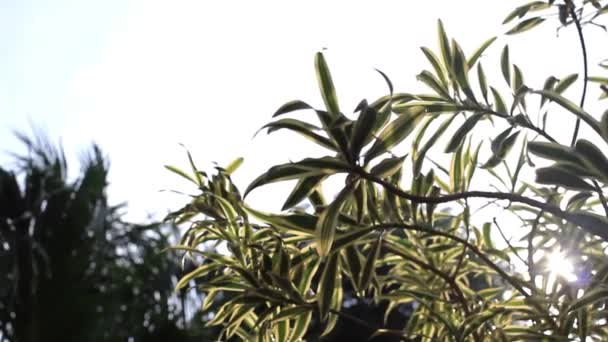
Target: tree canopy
x=409, y=230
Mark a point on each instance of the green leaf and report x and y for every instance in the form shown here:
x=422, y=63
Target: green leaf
x=483, y=83
x=604, y=125
x=522, y=10
x=548, y=86
x=590, y=222
x=573, y=108
x=362, y=129
x=593, y=158
x=501, y=145
x=327, y=284
x=499, y=102
x=234, y=165
x=300, y=327
x=439, y=69
x=461, y=70
x=291, y=106
x=444, y=45
x=197, y=272
x=432, y=82
x=518, y=79
x=526, y=25
x=553, y=151
x=328, y=92
x=590, y=297
x=462, y=131
x=302, y=190
x=555, y=176
x=305, y=168
x=178, y=171
x=370, y=264
x=456, y=170
x=475, y=56
x=393, y=134
x=295, y=223
x=388, y=167
x=291, y=313
x=487, y=235
x=505, y=66
x=420, y=154
x=325, y=230
x=565, y=83
x=303, y=128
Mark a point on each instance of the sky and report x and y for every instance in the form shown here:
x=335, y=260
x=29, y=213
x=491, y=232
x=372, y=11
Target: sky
x=142, y=77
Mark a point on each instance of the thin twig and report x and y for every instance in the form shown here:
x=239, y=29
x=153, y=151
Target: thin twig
x=581, y=38
x=509, y=243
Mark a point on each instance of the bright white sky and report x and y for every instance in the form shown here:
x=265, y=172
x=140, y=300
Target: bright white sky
x=139, y=77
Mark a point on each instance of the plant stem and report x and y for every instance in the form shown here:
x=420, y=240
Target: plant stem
x=581, y=38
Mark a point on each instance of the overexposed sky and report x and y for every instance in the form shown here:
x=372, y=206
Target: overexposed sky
x=140, y=77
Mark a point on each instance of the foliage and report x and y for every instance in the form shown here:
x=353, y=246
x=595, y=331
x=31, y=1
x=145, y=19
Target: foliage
x=408, y=230
x=71, y=269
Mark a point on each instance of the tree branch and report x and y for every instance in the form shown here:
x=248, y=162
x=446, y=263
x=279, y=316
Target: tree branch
x=587, y=224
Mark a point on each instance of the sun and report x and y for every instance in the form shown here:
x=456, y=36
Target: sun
x=559, y=265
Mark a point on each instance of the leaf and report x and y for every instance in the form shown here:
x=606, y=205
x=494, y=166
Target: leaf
x=300, y=327
x=487, y=236
x=604, y=125
x=505, y=66
x=234, y=165
x=593, y=158
x=370, y=264
x=475, y=56
x=432, y=82
x=499, y=102
x=305, y=168
x=555, y=176
x=518, y=79
x=548, y=86
x=553, y=151
x=325, y=230
x=590, y=222
x=417, y=164
x=197, y=272
x=387, y=80
x=295, y=223
x=462, y=131
x=483, y=83
x=501, y=147
x=461, y=70
x=590, y=297
x=388, y=167
x=290, y=313
x=393, y=134
x=327, y=284
x=444, y=45
x=439, y=70
x=302, y=128
x=328, y=92
x=573, y=108
x=565, y=83
x=362, y=129
x=303, y=189
x=526, y=25
x=456, y=170
x=291, y=106
x=178, y=171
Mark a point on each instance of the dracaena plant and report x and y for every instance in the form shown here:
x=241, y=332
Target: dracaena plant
x=407, y=230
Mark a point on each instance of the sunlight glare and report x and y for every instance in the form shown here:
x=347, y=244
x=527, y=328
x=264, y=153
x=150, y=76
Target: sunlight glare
x=559, y=265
